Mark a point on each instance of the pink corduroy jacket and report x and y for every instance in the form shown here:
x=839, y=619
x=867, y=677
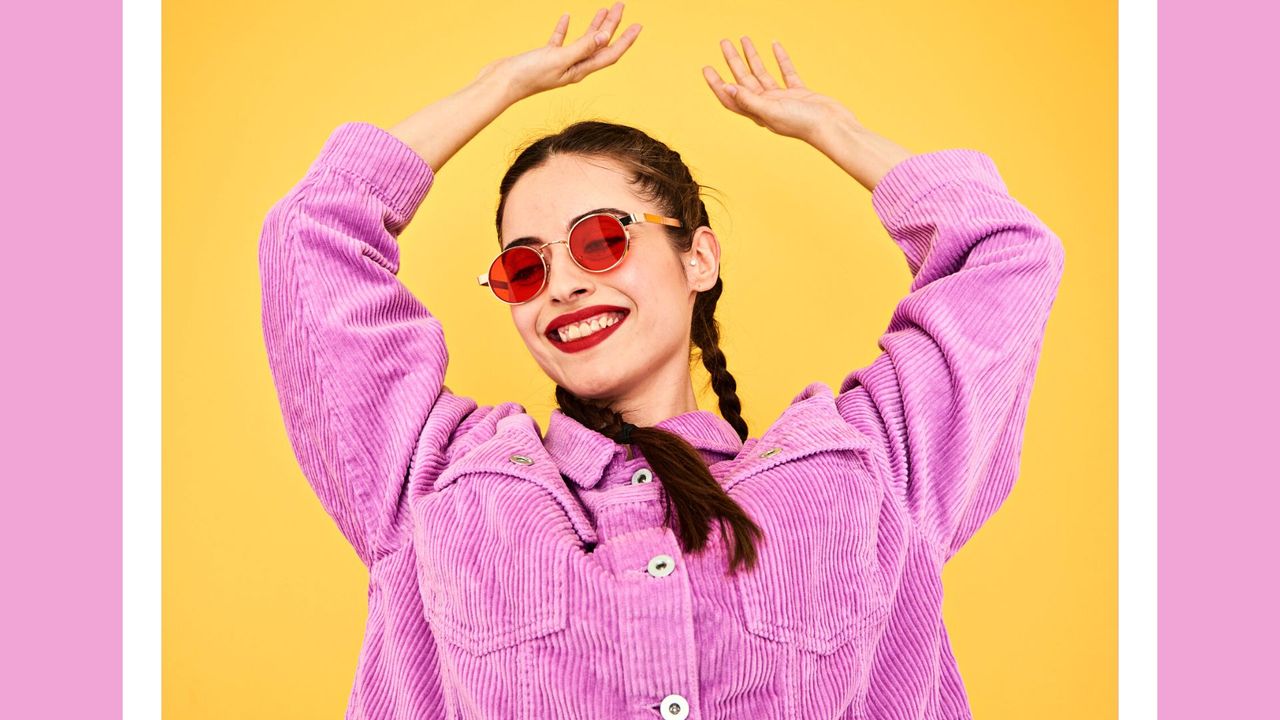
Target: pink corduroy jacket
x=517, y=574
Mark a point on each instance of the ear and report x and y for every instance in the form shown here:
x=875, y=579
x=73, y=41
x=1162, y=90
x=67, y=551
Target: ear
x=702, y=260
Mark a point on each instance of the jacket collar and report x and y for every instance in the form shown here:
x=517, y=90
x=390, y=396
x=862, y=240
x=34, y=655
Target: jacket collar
x=583, y=454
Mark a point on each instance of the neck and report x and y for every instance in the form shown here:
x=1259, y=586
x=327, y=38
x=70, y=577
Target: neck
x=660, y=396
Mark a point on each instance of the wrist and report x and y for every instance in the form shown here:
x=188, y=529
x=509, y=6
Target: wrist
x=839, y=134
x=439, y=130
x=496, y=85
x=865, y=155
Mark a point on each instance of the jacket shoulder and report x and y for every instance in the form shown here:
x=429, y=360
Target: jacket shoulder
x=811, y=424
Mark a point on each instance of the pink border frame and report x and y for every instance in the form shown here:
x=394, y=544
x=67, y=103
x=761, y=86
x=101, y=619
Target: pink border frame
x=1218, y=495
x=62, y=294
x=63, y=373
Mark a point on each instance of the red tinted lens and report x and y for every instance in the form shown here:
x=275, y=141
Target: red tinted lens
x=598, y=242
x=517, y=274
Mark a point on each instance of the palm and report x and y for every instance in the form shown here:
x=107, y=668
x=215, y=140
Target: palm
x=556, y=64
x=549, y=66
x=788, y=108
x=790, y=111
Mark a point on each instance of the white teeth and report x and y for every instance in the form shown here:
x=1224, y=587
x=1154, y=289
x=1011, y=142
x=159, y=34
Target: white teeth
x=589, y=326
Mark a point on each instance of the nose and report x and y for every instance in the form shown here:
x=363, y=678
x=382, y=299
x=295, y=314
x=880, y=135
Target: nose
x=565, y=280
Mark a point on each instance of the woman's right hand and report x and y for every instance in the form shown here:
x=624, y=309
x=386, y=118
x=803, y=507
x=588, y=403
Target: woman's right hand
x=439, y=130
x=555, y=64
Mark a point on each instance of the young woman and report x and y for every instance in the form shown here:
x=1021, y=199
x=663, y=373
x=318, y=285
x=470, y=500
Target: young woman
x=644, y=558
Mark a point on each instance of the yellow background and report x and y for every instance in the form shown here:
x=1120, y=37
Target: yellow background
x=264, y=603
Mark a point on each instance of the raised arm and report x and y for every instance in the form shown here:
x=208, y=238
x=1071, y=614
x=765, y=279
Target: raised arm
x=947, y=399
x=358, y=361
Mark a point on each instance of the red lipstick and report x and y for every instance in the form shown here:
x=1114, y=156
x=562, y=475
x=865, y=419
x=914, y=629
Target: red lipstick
x=572, y=346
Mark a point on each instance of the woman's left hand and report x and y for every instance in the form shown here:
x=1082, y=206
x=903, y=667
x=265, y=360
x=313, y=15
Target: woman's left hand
x=798, y=112
x=790, y=109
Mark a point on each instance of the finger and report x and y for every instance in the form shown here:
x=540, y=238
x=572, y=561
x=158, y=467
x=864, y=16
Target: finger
x=720, y=89
x=612, y=19
x=583, y=47
x=746, y=102
x=597, y=19
x=746, y=98
x=750, y=103
x=596, y=37
x=562, y=27
x=740, y=71
x=757, y=65
x=789, y=74
x=609, y=55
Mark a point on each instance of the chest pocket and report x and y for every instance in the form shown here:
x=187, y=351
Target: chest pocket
x=817, y=583
x=493, y=561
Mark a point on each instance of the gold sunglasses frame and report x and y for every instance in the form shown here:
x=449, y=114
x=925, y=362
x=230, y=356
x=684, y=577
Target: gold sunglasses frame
x=625, y=220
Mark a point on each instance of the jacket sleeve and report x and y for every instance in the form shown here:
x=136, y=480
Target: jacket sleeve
x=358, y=362
x=947, y=398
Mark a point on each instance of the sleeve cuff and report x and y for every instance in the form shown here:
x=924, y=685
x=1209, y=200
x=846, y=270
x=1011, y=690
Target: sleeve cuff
x=912, y=179
x=395, y=171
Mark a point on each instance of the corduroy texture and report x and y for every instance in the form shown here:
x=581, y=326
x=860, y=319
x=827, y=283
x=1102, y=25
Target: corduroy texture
x=517, y=575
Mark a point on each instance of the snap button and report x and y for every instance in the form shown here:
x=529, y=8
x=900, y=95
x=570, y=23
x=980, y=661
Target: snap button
x=521, y=460
x=771, y=452
x=643, y=475
x=675, y=707
x=662, y=565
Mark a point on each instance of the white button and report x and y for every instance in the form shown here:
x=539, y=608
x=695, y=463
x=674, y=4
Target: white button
x=521, y=460
x=662, y=565
x=674, y=707
x=643, y=475
x=770, y=452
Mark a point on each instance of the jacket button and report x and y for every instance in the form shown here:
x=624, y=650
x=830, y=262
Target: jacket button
x=674, y=707
x=643, y=475
x=770, y=452
x=662, y=565
x=521, y=460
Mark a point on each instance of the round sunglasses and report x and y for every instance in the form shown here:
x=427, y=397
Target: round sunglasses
x=597, y=243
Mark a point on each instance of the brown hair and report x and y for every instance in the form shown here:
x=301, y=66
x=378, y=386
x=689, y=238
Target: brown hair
x=660, y=176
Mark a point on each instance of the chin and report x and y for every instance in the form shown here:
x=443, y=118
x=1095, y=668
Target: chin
x=599, y=390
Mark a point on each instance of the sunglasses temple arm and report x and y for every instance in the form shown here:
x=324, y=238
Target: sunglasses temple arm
x=646, y=217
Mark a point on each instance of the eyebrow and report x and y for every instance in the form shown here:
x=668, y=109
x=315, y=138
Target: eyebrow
x=532, y=240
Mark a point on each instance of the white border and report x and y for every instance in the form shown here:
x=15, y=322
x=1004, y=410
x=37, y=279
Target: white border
x=1137, y=361
x=141, y=380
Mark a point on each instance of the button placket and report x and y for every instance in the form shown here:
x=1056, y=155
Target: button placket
x=654, y=609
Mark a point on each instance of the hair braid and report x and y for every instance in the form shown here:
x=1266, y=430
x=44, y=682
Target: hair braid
x=599, y=418
x=691, y=494
x=706, y=335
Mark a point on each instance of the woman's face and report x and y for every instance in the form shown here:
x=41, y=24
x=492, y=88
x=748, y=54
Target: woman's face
x=653, y=288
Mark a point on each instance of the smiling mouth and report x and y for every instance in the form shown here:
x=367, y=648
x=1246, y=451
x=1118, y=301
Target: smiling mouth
x=583, y=335
x=587, y=328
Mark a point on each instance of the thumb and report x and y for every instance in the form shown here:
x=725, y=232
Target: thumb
x=746, y=99
x=586, y=45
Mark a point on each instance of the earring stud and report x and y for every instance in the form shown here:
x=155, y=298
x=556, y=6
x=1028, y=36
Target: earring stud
x=693, y=262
